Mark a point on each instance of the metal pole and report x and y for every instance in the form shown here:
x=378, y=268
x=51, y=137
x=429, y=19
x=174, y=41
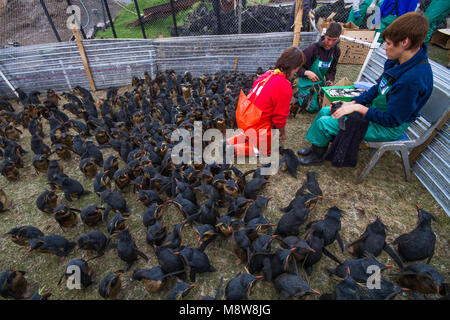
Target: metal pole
x=103, y=11
x=174, y=18
x=217, y=12
x=239, y=17
x=9, y=84
x=140, y=20
x=69, y=3
x=50, y=20
x=110, y=19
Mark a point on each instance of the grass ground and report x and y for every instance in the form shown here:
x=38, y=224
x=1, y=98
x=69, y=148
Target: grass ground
x=384, y=192
x=153, y=29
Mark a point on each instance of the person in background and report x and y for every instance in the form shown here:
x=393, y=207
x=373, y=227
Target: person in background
x=359, y=10
x=392, y=9
x=271, y=97
x=320, y=67
x=394, y=102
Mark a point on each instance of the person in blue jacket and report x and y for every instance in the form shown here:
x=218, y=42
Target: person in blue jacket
x=394, y=102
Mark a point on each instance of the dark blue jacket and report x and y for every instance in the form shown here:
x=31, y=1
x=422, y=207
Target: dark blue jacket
x=397, y=7
x=409, y=93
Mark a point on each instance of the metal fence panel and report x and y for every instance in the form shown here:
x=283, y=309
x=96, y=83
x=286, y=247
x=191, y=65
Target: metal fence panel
x=113, y=62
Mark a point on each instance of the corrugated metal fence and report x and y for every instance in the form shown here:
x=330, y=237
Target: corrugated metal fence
x=432, y=166
x=114, y=62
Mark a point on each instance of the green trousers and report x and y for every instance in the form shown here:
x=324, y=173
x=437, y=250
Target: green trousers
x=384, y=23
x=362, y=13
x=324, y=128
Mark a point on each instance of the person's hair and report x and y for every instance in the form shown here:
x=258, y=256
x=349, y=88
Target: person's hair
x=290, y=59
x=411, y=25
x=334, y=30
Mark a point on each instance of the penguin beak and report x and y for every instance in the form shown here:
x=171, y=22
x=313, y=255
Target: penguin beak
x=259, y=277
x=192, y=286
x=388, y=266
x=29, y=250
x=315, y=292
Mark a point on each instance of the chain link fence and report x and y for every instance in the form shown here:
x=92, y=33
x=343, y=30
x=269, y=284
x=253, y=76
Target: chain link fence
x=25, y=22
x=28, y=22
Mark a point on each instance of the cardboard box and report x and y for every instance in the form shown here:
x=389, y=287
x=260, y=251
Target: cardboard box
x=441, y=38
x=353, y=53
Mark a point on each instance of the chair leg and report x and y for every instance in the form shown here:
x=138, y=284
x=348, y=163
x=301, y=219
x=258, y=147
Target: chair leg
x=404, y=154
x=371, y=164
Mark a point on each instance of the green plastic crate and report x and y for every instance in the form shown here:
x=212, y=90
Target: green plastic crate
x=331, y=99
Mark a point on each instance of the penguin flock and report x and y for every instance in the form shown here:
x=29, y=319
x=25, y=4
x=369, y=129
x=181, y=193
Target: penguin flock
x=123, y=147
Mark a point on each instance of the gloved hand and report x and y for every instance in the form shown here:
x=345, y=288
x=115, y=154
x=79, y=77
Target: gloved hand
x=357, y=15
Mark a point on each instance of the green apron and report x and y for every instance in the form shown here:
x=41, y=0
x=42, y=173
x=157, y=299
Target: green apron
x=320, y=68
x=324, y=127
x=362, y=11
x=384, y=23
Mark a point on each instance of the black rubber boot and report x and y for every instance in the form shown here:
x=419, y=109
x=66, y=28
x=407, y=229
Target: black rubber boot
x=315, y=158
x=304, y=151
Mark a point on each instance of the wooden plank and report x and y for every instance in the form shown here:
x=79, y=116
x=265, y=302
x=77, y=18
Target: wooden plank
x=298, y=22
x=84, y=58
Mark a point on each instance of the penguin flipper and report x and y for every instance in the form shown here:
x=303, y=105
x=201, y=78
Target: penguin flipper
x=394, y=255
x=67, y=196
x=431, y=253
x=339, y=239
x=192, y=275
x=330, y=255
x=106, y=213
x=267, y=269
x=128, y=266
x=141, y=254
x=362, y=238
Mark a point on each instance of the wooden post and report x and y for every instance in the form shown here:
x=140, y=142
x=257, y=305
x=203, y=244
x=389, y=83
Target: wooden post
x=415, y=153
x=84, y=58
x=235, y=63
x=298, y=22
